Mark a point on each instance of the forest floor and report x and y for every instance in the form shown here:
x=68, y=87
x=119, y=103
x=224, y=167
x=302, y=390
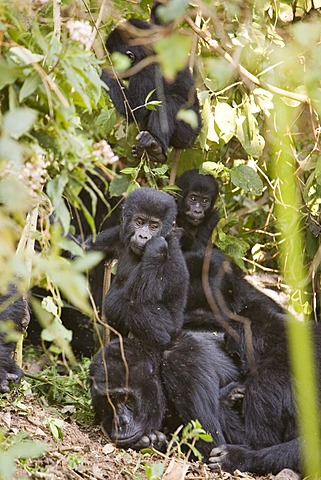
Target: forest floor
x=42, y=413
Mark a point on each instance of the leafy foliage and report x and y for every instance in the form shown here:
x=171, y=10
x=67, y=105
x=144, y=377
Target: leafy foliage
x=17, y=447
x=248, y=57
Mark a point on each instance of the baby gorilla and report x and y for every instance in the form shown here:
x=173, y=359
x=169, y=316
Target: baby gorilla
x=196, y=213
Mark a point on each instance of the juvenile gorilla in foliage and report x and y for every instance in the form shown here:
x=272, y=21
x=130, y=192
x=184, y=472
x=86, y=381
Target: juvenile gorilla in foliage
x=196, y=212
x=162, y=390
x=148, y=294
x=14, y=317
x=160, y=128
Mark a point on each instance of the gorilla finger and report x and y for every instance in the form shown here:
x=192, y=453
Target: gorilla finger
x=217, y=456
x=161, y=439
x=143, y=442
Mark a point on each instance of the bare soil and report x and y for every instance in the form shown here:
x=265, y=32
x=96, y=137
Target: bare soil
x=83, y=452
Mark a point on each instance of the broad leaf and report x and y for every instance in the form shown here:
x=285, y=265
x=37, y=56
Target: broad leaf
x=246, y=178
x=173, y=54
x=225, y=119
x=19, y=121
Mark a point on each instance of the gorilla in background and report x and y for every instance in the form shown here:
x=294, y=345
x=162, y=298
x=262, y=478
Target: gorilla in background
x=255, y=336
x=272, y=399
x=14, y=317
x=160, y=128
x=163, y=389
x=196, y=213
x=148, y=294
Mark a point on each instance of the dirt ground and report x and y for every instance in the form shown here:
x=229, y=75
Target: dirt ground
x=82, y=451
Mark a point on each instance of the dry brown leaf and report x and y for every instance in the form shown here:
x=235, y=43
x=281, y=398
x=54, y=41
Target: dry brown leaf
x=176, y=470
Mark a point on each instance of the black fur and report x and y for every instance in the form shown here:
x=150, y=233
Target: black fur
x=160, y=127
x=162, y=390
x=196, y=212
x=148, y=294
x=14, y=317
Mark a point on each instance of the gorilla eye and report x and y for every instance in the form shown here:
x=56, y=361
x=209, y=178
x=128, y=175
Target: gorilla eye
x=193, y=198
x=205, y=201
x=130, y=55
x=154, y=226
x=139, y=221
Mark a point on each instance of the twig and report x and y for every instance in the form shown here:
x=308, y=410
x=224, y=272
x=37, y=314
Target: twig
x=27, y=243
x=214, y=45
x=57, y=18
x=96, y=23
x=177, y=155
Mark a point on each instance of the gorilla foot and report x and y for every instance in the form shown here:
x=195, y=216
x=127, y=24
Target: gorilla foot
x=217, y=457
x=149, y=145
x=229, y=458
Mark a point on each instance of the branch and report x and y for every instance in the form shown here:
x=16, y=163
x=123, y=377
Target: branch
x=214, y=45
x=57, y=18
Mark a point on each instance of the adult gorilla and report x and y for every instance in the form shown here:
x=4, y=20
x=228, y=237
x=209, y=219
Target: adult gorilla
x=148, y=294
x=160, y=127
x=160, y=389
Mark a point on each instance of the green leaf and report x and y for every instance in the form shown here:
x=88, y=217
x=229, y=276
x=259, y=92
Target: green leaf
x=225, y=119
x=195, y=452
x=206, y=437
x=248, y=134
x=118, y=185
x=11, y=150
x=106, y=121
x=49, y=305
x=173, y=51
x=208, y=120
x=8, y=74
x=56, y=330
x=27, y=449
x=14, y=195
x=161, y=170
x=171, y=11
x=6, y=466
x=55, y=425
x=87, y=261
x=19, y=121
x=74, y=287
x=246, y=178
x=55, y=189
x=25, y=56
x=318, y=171
x=154, y=471
x=129, y=170
x=71, y=246
x=188, y=116
x=120, y=62
x=29, y=86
